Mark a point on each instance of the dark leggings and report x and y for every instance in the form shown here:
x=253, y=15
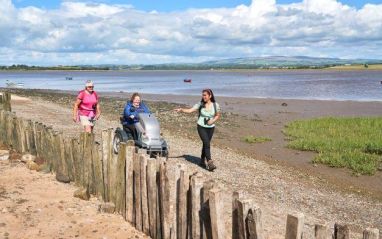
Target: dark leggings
x=205, y=135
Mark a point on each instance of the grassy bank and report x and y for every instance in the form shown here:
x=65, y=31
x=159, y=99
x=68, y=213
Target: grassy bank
x=354, y=143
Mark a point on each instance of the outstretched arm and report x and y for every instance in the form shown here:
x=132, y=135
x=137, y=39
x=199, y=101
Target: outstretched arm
x=182, y=110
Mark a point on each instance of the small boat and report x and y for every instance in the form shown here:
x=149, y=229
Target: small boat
x=187, y=80
x=14, y=84
x=68, y=78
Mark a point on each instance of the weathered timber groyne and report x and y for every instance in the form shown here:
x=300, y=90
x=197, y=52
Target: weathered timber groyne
x=161, y=200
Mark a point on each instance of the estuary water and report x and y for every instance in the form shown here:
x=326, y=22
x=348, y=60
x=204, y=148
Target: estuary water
x=283, y=84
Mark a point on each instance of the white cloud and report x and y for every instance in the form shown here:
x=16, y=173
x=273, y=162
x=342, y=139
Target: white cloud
x=93, y=33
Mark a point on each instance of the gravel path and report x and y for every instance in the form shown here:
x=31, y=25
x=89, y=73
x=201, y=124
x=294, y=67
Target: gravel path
x=276, y=189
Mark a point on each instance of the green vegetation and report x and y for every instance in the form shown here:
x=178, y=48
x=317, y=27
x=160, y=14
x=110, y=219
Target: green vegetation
x=354, y=143
x=251, y=139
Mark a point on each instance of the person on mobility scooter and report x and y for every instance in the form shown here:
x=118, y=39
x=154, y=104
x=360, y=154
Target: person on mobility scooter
x=140, y=125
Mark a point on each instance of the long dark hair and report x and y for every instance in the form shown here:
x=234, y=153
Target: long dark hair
x=208, y=91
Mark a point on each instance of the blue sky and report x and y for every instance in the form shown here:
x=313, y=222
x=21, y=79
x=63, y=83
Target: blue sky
x=171, y=5
x=140, y=32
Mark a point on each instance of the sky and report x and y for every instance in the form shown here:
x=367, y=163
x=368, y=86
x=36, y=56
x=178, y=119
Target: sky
x=73, y=32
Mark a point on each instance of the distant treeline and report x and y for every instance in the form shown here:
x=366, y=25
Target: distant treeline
x=74, y=68
x=166, y=67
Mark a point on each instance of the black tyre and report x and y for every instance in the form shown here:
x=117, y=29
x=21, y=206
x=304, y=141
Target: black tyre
x=116, y=142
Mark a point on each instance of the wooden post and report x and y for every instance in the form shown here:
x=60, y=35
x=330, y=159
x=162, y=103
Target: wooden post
x=62, y=166
x=106, y=157
x=236, y=230
x=87, y=155
x=120, y=183
x=294, y=226
x=48, y=138
x=130, y=216
x=254, y=225
x=157, y=177
x=112, y=169
x=243, y=206
x=145, y=209
x=152, y=196
x=31, y=142
x=77, y=158
x=137, y=192
x=184, y=184
x=173, y=186
x=321, y=232
x=97, y=169
x=15, y=143
x=69, y=159
x=205, y=210
x=341, y=231
x=371, y=233
x=217, y=214
x=7, y=101
x=164, y=200
x=196, y=202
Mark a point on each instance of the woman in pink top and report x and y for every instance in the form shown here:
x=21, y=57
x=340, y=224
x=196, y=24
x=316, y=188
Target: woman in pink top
x=86, y=108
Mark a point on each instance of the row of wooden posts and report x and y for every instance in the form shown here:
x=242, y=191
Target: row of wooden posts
x=159, y=199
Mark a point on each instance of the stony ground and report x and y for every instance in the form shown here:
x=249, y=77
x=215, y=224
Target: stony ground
x=277, y=190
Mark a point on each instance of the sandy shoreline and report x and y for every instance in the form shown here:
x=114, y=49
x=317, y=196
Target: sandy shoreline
x=267, y=118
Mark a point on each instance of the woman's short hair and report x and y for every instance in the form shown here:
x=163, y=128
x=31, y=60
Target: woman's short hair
x=134, y=95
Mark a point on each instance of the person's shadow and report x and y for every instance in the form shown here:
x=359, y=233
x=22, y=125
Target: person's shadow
x=190, y=158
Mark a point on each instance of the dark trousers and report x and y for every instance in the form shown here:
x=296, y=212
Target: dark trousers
x=205, y=135
x=133, y=130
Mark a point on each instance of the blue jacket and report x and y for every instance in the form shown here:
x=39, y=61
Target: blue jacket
x=131, y=110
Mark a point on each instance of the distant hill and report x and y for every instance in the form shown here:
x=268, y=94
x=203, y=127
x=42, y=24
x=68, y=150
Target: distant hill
x=265, y=62
x=286, y=61
x=269, y=62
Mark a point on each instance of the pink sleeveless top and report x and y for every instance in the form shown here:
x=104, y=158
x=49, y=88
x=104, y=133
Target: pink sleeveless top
x=88, y=103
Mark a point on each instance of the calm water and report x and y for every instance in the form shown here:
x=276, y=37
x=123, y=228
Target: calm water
x=337, y=85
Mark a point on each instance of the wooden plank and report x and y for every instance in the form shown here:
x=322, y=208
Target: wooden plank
x=371, y=233
x=216, y=213
x=137, y=192
x=294, y=226
x=152, y=197
x=130, y=216
x=196, y=203
x=145, y=209
x=341, y=231
x=321, y=232
x=205, y=210
x=164, y=200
